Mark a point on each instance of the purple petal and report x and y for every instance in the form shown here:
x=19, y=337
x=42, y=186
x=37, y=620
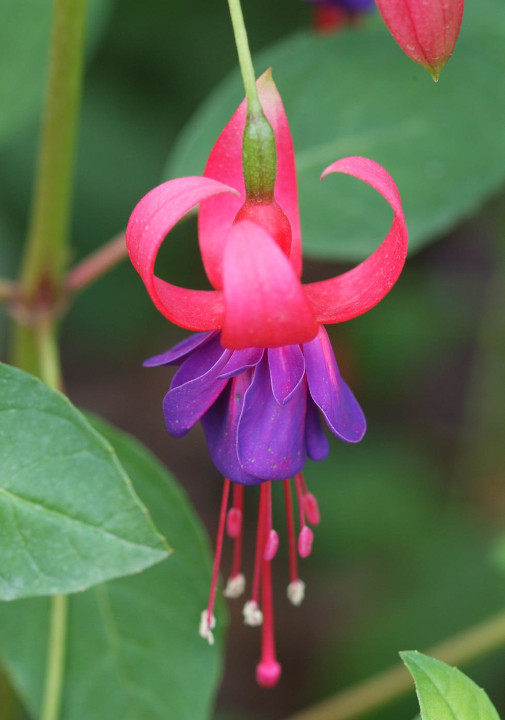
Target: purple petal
x=271, y=437
x=330, y=393
x=220, y=424
x=287, y=368
x=242, y=360
x=201, y=361
x=179, y=351
x=318, y=446
x=194, y=388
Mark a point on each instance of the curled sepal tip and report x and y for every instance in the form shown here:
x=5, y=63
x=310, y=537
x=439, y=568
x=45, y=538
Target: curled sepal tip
x=358, y=290
x=152, y=219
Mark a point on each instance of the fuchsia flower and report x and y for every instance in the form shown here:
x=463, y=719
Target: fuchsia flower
x=332, y=15
x=260, y=370
x=425, y=30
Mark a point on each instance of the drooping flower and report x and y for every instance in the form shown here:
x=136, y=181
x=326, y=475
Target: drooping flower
x=426, y=31
x=331, y=15
x=260, y=370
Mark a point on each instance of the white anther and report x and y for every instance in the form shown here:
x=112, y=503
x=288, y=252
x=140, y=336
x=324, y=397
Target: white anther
x=206, y=628
x=252, y=614
x=296, y=592
x=235, y=586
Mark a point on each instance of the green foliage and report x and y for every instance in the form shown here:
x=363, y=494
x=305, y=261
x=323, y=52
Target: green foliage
x=69, y=515
x=359, y=95
x=390, y=559
x=398, y=560
x=24, y=43
x=133, y=646
x=445, y=693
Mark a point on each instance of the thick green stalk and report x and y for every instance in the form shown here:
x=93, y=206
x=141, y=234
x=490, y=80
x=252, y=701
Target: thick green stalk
x=44, y=261
x=391, y=684
x=45, y=253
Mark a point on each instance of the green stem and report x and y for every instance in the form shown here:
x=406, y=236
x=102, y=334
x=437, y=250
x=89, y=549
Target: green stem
x=45, y=253
x=391, y=684
x=48, y=354
x=56, y=652
x=50, y=372
x=244, y=57
x=9, y=703
x=481, y=445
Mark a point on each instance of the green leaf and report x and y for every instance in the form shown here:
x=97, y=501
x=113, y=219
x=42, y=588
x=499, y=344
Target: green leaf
x=357, y=94
x=69, y=517
x=133, y=647
x=445, y=693
x=24, y=47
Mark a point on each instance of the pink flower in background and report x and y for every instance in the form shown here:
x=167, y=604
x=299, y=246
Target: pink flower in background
x=260, y=373
x=426, y=30
x=329, y=16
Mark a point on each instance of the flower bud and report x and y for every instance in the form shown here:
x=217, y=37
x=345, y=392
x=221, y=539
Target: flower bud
x=426, y=30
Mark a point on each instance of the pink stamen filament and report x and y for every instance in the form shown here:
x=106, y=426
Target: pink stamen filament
x=303, y=483
x=260, y=543
x=311, y=509
x=306, y=536
x=310, y=503
x=268, y=671
x=299, y=497
x=217, y=556
x=293, y=560
x=271, y=537
x=238, y=505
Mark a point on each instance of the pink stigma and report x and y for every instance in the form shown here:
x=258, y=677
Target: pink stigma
x=268, y=673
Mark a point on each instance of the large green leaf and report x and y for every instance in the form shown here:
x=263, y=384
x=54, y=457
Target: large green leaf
x=133, y=648
x=24, y=46
x=445, y=693
x=357, y=94
x=69, y=517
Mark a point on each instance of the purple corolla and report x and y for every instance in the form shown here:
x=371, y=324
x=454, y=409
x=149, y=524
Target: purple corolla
x=260, y=407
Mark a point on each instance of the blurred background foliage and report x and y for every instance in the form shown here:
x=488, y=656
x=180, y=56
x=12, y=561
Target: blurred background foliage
x=409, y=549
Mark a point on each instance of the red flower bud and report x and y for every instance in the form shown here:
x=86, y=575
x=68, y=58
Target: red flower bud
x=426, y=30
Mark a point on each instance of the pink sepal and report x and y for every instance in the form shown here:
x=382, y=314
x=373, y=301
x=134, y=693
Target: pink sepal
x=426, y=31
x=216, y=215
x=265, y=305
x=153, y=217
x=353, y=293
